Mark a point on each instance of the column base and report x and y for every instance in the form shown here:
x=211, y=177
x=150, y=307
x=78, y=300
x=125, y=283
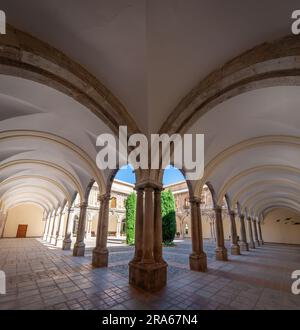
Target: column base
x=198, y=262
x=221, y=254
x=66, y=245
x=149, y=277
x=244, y=246
x=235, y=249
x=100, y=258
x=252, y=245
x=53, y=240
x=261, y=242
x=78, y=250
x=257, y=243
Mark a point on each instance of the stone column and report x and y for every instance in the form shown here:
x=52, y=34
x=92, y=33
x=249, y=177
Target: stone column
x=251, y=242
x=235, y=248
x=148, y=270
x=198, y=259
x=48, y=235
x=243, y=243
x=79, y=247
x=88, y=231
x=221, y=251
x=58, y=227
x=47, y=226
x=148, y=239
x=51, y=237
x=157, y=226
x=68, y=232
x=139, y=221
x=260, y=234
x=100, y=252
x=255, y=232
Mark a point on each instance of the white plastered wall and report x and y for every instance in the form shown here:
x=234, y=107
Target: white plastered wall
x=26, y=214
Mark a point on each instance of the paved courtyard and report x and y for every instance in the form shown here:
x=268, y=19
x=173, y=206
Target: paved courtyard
x=40, y=276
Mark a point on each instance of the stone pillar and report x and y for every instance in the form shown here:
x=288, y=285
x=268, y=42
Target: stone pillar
x=235, y=248
x=88, y=231
x=255, y=232
x=139, y=221
x=100, y=252
x=68, y=232
x=251, y=242
x=118, y=233
x=52, y=236
x=48, y=234
x=148, y=239
x=58, y=227
x=260, y=234
x=79, y=247
x=243, y=242
x=47, y=227
x=148, y=270
x=221, y=251
x=157, y=227
x=198, y=259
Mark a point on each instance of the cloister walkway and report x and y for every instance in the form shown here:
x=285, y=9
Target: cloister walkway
x=40, y=276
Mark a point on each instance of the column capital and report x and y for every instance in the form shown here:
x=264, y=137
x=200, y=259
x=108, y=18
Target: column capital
x=232, y=213
x=83, y=205
x=195, y=200
x=102, y=198
x=148, y=184
x=217, y=208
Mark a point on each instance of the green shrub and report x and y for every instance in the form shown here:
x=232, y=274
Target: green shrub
x=168, y=216
x=130, y=205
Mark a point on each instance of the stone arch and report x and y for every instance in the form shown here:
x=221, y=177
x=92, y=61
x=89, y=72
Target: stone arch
x=25, y=56
x=269, y=64
x=57, y=140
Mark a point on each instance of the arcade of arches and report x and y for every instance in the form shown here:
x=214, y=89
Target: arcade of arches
x=77, y=76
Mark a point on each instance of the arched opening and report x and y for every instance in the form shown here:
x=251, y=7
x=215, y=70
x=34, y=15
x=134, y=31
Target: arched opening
x=175, y=185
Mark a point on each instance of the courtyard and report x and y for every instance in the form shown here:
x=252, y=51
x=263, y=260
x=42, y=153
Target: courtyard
x=41, y=276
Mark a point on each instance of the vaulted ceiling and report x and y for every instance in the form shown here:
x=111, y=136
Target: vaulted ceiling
x=150, y=55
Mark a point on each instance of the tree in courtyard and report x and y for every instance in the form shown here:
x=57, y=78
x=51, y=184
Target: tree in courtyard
x=168, y=216
x=130, y=205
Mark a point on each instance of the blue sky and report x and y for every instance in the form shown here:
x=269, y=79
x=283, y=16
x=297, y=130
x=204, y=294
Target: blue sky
x=171, y=175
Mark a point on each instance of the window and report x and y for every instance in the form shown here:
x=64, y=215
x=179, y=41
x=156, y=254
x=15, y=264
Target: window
x=113, y=203
x=186, y=203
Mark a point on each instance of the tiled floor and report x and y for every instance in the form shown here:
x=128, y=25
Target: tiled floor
x=43, y=277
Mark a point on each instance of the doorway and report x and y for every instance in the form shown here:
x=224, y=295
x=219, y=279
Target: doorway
x=22, y=230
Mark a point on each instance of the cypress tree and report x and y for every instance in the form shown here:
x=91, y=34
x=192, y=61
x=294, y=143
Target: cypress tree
x=130, y=205
x=168, y=216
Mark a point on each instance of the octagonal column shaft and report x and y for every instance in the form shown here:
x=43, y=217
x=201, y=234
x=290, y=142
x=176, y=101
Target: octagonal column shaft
x=235, y=248
x=58, y=234
x=158, y=238
x=255, y=233
x=251, y=241
x=221, y=251
x=79, y=247
x=198, y=259
x=100, y=252
x=260, y=234
x=243, y=242
x=47, y=226
x=68, y=232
